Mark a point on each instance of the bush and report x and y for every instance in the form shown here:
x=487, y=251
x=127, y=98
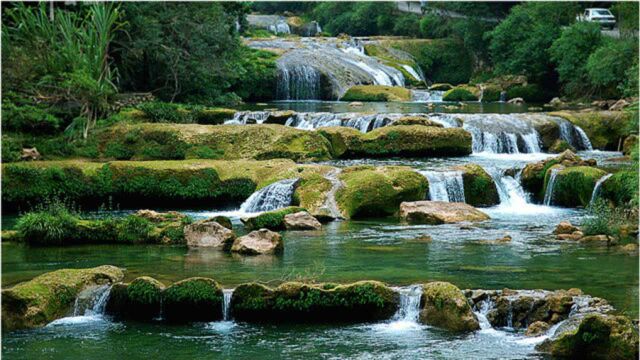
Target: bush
x=459, y=94
x=162, y=112
x=133, y=229
x=530, y=93
x=29, y=118
x=51, y=224
x=602, y=219
x=607, y=67
x=273, y=220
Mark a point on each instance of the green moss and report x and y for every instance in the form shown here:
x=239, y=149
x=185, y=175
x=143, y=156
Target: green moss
x=574, y=185
x=491, y=93
x=460, y=93
x=604, y=128
x=560, y=146
x=416, y=120
x=401, y=140
x=50, y=296
x=370, y=191
x=597, y=337
x=139, y=300
x=273, y=220
x=311, y=193
x=299, y=302
x=193, y=299
x=440, y=87
x=479, y=187
x=444, y=305
x=390, y=57
x=376, y=93
x=621, y=188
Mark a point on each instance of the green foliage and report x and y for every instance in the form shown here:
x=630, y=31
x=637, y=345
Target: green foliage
x=163, y=112
x=257, y=75
x=622, y=188
x=570, y=53
x=520, y=43
x=530, y=93
x=626, y=13
x=442, y=60
x=362, y=18
x=186, y=52
x=574, y=185
x=51, y=224
x=145, y=291
x=608, y=66
x=28, y=118
x=133, y=229
x=602, y=219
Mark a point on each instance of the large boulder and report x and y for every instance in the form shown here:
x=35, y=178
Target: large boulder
x=533, y=175
x=299, y=302
x=193, y=299
x=439, y=212
x=378, y=191
x=445, y=306
x=415, y=120
x=400, y=140
x=208, y=233
x=301, y=220
x=479, y=187
x=377, y=93
x=140, y=300
x=565, y=227
x=598, y=336
x=51, y=295
x=258, y=242
x=574, y=185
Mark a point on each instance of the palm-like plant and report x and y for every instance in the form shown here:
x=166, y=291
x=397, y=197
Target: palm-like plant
x=71, y=55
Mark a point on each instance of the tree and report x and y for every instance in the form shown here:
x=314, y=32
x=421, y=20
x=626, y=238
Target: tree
x=518, y=45
x=609, y=66
x=179, y=51
x=570, y=53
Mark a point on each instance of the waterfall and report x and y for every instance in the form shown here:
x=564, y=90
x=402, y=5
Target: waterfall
x=89, y=306
x=481, y=93
x=481, y=310
x=445, y=185
x=226, y=304
x=596, y=189
x=412, y=72
x=532, y=142
x=409, y=308
x=248, y=117
x=298, y=82
x=510, y=191
x=271, y=197
x=426, y=95
x=503, y=96
x=330, y=206
x=362, y=122
x=574, y=135
x=548, y=194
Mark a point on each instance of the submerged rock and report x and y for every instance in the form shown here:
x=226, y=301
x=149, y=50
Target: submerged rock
x=193, y=299
x=445, y=306
x=51, y=295
x=208, y=233
x=537, y=328
x=598, y=336
x=299, y=302
x=301, y=221
x=257, y=242
x=438, y=212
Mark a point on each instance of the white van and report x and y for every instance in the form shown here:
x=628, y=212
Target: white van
x=599, y=15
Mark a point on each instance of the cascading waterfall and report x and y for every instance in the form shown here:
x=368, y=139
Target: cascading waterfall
x=510, y=191
x=596, y=188
x=481, y=310
x=248, y=117
x=271, y=197
x=574, y=135
x=548, y=194
x=298, y=82
x=226, y=304
x=584, y=139
x=88, y=306
x=409, y=308
x=445, y=185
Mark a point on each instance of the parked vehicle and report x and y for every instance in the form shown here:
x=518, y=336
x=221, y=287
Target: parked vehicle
x=599, y=15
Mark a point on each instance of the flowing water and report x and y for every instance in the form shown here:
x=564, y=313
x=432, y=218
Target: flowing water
x=445, y=185
x=596, y=188
x=271, y=197
x=548, y=194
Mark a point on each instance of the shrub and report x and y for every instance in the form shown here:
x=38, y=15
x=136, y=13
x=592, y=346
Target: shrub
x=133, y=229
x=459, y=94
x=51, y=224
x=607, y=66
x=602, y=219
x=530, y=93
x=29, y=118
x=163, y=112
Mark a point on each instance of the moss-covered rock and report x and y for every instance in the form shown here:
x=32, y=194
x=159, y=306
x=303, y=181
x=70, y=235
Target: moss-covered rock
x=605, y=129
x=490, y=93
x=461, y=93
x=273, y=220
x=416, y=120
x=479, y=187
x=440, y=87
x=140, y=300
x=146, y=183
x=621, y=188
x=574, y=185
x=193, y=299
x=597, y=337
x=371, y=191
x=399, y=60
x=445, y=306
x=630, y=144
x=401, y=140
x=299, y=302
x=534, y=174
x=311, y=194
x=180, y=141
x=50, y=296
x=377, y=93
x=560, y=146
